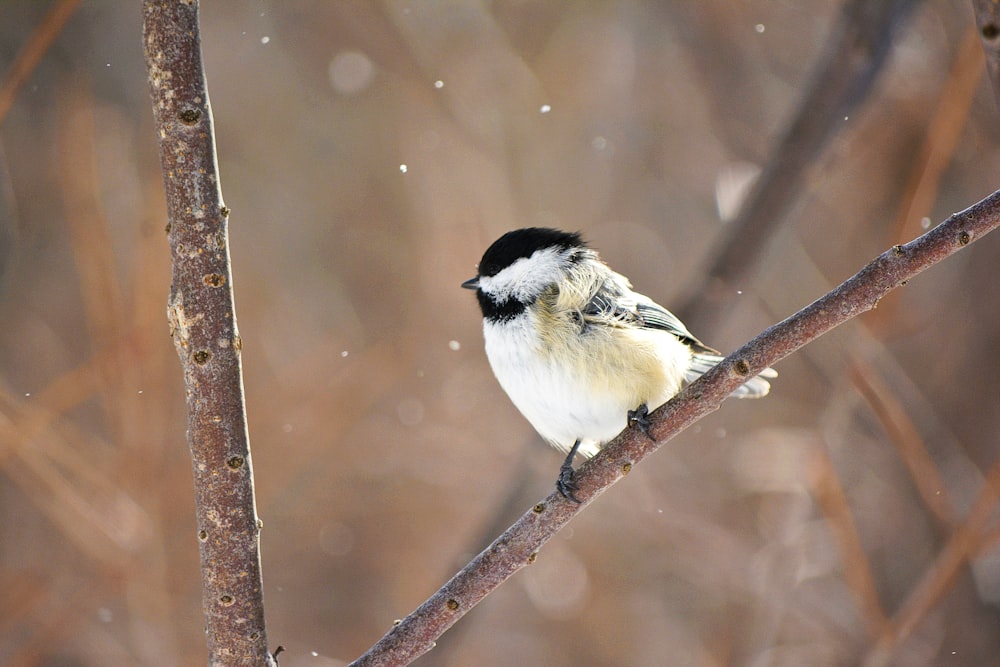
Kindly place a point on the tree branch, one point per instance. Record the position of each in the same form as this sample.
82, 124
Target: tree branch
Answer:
988, 23
852, 58
33, 50
519, 545
203, 327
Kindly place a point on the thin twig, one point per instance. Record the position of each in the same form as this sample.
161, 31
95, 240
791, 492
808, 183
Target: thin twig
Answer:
519, 545
852, 57
938, 578
940, 139
911, 447
858, 575
987, 541
29, 57
988, 22
203, 326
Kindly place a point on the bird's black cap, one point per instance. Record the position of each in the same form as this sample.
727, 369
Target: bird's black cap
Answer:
519, 243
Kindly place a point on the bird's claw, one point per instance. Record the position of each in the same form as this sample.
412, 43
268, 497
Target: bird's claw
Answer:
566, 484
640, 417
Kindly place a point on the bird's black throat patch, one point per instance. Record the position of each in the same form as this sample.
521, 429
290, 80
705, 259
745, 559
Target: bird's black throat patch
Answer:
499, 311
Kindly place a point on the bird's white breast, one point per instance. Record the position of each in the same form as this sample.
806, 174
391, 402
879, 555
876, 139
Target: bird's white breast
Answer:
584, 386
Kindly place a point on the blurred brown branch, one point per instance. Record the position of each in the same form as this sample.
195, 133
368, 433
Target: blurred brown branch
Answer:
943, 133
203, 326
906, 437
832, 498
967, 537
988, 22
936, 152
852, 58
519, 545
29, 57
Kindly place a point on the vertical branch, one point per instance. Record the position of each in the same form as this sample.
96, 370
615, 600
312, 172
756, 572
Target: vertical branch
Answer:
203, 327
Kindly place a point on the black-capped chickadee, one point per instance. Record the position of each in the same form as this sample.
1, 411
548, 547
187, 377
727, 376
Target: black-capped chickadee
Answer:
579, 353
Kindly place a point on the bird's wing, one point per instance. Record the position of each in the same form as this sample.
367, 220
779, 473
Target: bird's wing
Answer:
611, 305
655, 316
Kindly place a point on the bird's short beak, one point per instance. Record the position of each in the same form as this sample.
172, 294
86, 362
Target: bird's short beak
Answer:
471, 283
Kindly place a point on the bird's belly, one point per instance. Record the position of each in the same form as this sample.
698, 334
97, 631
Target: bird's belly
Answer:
586, 390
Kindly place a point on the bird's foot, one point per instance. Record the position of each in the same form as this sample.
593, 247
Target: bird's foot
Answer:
566, 483
640, 417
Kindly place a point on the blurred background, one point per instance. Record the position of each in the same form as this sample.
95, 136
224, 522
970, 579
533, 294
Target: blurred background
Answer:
370, 151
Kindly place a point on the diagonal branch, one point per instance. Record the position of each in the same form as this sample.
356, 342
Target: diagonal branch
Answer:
33, 51
203, 326
832, 499
936, 580
852, 58
519, 545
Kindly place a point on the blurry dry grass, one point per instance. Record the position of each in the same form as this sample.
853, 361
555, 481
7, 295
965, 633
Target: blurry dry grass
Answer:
851, 517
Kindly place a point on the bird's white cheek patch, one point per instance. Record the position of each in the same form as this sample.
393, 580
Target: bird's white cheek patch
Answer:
526, 278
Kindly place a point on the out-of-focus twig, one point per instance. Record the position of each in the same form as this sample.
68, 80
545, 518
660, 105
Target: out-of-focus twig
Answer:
988, 22
852, 57
43, 458
518, 546
93, 247
942, 136
937, 580
29, 57
988, 540
203, 326
857, 570
943, 133
909, 444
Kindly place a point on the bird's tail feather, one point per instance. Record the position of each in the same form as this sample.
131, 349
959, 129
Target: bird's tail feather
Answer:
755, 387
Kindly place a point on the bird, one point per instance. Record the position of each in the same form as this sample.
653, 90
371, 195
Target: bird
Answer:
579, 353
